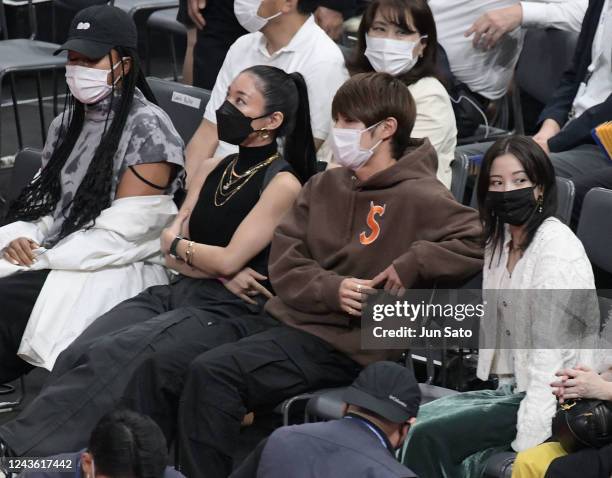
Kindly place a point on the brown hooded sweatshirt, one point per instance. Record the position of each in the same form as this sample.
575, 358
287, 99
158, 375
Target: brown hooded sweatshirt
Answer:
342, 227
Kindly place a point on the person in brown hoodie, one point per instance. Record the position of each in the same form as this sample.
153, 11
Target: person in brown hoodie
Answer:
377, 222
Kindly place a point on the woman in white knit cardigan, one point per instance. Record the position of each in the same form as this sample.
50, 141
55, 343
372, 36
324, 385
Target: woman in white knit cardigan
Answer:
541, 316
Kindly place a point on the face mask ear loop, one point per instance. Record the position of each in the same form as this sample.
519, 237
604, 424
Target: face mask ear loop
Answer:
371, 149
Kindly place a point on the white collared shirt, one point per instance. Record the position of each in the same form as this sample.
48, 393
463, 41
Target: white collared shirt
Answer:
310, 52
488, 72
598, 83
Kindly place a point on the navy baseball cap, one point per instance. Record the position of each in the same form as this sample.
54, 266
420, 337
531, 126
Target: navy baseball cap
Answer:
387, 389
96, 30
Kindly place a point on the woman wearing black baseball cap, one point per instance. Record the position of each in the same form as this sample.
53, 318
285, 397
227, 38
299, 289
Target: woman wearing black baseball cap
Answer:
110, 164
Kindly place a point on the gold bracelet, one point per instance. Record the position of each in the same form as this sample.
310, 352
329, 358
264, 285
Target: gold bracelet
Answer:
189, 253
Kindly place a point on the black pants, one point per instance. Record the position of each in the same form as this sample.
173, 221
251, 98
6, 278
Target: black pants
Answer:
257, 372
90, 376
18, 294
213, 41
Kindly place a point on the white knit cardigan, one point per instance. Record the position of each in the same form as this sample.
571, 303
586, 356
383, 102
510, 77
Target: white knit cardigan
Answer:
555, 259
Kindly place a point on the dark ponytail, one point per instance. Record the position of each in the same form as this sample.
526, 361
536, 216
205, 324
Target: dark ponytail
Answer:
288, 94
299, 143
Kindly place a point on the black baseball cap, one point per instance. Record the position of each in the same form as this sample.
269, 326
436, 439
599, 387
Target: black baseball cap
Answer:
387, 389
96, 30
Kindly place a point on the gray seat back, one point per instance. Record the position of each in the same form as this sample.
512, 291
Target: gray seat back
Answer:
183, 103
595, 227
566, 192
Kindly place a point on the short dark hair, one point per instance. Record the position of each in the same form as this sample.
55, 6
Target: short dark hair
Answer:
373, 97
306, 7
540, 172
126, 444
394, 11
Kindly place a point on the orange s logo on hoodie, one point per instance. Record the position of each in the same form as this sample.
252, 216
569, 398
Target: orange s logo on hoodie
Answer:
366, 239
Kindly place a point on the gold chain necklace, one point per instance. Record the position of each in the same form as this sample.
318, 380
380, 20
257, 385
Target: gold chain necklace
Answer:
227, 188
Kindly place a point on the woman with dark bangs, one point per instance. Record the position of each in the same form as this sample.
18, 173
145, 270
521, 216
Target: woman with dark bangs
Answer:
541, 316
399, 37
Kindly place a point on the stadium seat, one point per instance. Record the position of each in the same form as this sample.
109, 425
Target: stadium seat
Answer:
165, 21
460, 167
546, 54
595, 227
500, 465
27, 164
21, 55
132, 7
183, 103
566, 192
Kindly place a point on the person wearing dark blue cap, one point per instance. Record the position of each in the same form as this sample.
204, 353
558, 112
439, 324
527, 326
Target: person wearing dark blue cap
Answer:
381, 406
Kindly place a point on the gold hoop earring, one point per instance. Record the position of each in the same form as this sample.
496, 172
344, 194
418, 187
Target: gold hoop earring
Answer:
264, 133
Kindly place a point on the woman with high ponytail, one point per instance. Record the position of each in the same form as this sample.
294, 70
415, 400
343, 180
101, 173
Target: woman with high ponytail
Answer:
110, 156
218, 245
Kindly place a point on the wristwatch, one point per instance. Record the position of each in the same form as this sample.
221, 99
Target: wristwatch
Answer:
173, 252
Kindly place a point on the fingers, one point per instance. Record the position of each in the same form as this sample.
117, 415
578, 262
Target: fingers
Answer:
257, 288
256, 274
351, 311
358, 296
379, 279
470, 30
247, 299
20, 250
12, 259
353, 304
494, 38
193, 9
569, 396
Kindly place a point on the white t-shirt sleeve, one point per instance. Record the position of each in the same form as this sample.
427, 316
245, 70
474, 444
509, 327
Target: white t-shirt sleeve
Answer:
561, 14
224, 78
323, 80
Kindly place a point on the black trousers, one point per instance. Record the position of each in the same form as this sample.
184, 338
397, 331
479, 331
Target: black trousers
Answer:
213, 41
257, 372
90, 376
18, 294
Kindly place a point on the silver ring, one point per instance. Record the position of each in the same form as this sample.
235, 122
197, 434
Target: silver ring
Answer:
359, 288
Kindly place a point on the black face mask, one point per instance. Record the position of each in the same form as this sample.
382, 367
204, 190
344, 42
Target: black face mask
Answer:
513, 207
233, 126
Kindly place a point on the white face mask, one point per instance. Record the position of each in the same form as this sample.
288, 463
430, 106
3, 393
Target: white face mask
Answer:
346, 144
89, 85
391, 56
246, 13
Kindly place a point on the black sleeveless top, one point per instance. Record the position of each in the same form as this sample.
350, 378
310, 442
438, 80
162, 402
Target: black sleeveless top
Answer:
215, 225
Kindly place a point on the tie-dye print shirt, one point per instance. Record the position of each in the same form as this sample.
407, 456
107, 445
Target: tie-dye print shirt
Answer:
148, 137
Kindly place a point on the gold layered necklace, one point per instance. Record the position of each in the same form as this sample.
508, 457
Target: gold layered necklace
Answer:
231, 182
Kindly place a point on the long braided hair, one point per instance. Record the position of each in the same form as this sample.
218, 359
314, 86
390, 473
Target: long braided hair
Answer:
41, 196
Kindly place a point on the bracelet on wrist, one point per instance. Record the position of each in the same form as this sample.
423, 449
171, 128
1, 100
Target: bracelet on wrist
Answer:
189, 253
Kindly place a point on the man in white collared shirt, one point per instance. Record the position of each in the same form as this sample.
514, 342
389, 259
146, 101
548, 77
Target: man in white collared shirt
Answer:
483, 40
485, 63
291, 40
